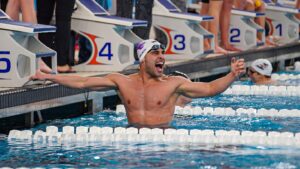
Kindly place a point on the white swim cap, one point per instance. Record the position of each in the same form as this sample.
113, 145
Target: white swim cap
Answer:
262, 66
145, 46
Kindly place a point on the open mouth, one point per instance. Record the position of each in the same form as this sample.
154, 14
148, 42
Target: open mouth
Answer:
159, 66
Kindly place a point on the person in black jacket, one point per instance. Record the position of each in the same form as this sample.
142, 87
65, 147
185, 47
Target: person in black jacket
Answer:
61, 40
143, 11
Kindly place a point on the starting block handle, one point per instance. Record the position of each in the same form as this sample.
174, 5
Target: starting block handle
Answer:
93, 7
90, 10
281, 7
247, 13
3, 15
25, 27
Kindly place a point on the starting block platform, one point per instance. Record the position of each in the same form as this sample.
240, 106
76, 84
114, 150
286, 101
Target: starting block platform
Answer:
21, 51
184, 36
282, 21
111, 38
243, 29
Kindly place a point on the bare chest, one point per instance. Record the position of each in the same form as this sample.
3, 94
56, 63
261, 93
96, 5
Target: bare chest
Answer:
147, 97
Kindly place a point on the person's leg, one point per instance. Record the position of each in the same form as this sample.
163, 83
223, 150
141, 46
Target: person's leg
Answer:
239, 4
28, 11
298, 7
252, 5
3, 4
215, 7
63, 12
261, 21
29, 15
225, 24
249, 5
204, 11
45, 10
13, 9
124, 8
144, 12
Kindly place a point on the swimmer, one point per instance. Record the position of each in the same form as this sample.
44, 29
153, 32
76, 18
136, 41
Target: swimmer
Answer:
260, 72
149, 96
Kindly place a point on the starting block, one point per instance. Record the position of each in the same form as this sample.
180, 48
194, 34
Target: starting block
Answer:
20, 51
282, 21
290, 3
243, 29
183, 32
111, 38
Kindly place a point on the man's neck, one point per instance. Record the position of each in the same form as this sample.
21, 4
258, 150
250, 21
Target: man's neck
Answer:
265, 80
146, 77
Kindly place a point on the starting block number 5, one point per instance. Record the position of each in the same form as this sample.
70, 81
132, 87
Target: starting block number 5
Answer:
5, 64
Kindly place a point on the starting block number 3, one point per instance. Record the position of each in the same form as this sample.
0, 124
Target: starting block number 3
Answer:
180, 39
5, 64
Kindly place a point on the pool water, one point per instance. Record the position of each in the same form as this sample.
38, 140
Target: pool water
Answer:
167, 155
256, 102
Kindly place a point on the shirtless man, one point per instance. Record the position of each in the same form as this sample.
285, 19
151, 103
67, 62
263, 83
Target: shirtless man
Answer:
149, 96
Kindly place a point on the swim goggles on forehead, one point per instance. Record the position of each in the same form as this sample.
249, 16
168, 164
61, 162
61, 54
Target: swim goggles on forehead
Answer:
156, 47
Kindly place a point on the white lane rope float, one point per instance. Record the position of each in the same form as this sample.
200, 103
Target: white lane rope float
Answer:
228, 111
85, 135
263, 90
276, 76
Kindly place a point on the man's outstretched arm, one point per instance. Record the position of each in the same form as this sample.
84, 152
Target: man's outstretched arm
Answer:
199, 89
78, 81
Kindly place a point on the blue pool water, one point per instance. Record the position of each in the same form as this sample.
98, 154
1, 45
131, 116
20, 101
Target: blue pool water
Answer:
134, 155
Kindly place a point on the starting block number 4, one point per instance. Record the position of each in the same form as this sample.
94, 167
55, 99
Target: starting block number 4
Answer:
5, 64
106, 51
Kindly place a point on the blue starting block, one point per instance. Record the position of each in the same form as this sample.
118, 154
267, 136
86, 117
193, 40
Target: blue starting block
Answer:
111, 37
20, 51
243, 29
282, 21
184, 34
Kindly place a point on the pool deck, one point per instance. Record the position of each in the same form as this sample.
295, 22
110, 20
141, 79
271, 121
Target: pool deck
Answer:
33, 98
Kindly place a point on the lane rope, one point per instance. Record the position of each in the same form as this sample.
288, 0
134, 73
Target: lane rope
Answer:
228, 111
85, 135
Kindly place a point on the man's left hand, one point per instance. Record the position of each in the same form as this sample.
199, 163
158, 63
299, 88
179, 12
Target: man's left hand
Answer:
238, 66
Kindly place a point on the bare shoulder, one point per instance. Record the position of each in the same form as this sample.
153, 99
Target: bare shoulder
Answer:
116, 76
121, 78
176, 79
180, 78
